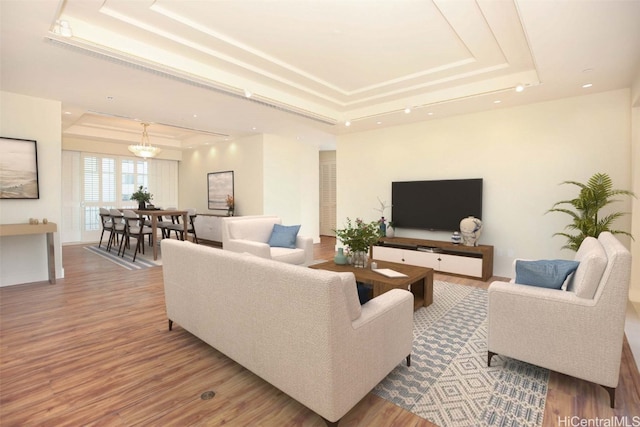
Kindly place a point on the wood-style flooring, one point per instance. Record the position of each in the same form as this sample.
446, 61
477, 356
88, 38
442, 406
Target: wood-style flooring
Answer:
94, 349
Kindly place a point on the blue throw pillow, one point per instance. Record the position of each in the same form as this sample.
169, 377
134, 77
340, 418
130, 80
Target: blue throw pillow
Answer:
283, 236
544, 273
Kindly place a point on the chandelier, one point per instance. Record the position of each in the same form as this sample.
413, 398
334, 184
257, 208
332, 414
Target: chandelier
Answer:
144, 149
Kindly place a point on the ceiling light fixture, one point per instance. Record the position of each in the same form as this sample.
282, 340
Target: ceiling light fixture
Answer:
248, 93
347, 123
407, 110
144, 149
587, 85
519, 88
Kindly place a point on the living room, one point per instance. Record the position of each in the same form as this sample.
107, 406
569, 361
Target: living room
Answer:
522, 152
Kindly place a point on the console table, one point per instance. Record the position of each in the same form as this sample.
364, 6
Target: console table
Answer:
446, 257
27, 229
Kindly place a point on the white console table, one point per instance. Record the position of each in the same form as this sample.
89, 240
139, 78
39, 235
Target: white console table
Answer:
27, 229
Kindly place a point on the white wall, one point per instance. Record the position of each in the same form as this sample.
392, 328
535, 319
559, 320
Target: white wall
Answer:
291, 183
521, 153
273, 175
634, 293
243, 156
23, 259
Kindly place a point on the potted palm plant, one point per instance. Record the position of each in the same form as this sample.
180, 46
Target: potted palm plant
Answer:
142, 196
597, 193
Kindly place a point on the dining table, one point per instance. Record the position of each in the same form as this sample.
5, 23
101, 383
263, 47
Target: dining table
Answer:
154, 214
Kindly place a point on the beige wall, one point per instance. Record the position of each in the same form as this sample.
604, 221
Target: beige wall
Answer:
522, 154
23, 258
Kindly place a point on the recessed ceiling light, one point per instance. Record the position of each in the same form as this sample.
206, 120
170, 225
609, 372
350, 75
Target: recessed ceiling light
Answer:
248, 93
497, 101
347, 123
67, 113
195, 116
430, 113
378, 123
587, 85
407, 110
519, 88
254, 128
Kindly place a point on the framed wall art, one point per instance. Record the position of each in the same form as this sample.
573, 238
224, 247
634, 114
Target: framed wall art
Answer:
18, 169
220, 187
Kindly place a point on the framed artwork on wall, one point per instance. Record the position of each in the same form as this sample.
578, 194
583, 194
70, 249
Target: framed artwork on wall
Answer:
18, 169
220, 188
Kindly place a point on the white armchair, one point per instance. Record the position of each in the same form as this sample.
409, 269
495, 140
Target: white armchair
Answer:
578, 332
251, 234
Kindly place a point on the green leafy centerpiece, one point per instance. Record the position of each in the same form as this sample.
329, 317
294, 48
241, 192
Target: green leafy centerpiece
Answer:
359, 237
142, 196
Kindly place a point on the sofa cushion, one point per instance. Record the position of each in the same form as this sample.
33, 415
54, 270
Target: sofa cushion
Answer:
544, 273
284, 236
593, 261
290, 256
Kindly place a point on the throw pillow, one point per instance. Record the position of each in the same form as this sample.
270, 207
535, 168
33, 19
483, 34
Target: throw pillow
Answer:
284, 236
544, 273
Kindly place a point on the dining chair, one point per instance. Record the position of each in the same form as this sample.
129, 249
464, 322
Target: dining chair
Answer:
134, 227
117, 228
105, 221
164, 223
178, 227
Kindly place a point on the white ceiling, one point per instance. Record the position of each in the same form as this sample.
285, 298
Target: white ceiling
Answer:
187, 66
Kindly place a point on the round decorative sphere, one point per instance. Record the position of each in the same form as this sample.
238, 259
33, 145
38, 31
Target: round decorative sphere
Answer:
470, 228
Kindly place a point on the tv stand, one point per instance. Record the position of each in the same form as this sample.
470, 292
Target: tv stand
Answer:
445, 257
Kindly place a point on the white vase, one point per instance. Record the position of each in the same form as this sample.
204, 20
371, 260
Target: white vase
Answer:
470, 228
390, 231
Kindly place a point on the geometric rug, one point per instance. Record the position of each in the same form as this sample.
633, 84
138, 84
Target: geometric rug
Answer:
142, 261
449, 383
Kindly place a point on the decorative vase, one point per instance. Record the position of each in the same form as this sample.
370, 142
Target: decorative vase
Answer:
230, 212
470, 228
390, 231
360, 259
141, 205
456, 238
340, 257
383, 227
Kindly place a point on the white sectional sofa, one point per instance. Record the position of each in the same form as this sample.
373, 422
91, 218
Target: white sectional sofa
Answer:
251, 234
302, 330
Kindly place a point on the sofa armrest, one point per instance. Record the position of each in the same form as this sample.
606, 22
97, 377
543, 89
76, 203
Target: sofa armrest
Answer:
381, 305
249, 246
305, 243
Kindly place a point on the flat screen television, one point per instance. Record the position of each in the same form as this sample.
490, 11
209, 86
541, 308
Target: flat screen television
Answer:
435, 205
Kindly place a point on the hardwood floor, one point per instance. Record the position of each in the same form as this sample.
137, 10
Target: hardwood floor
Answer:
94, 349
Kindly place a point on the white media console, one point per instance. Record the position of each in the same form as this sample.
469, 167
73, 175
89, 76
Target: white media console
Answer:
445, 257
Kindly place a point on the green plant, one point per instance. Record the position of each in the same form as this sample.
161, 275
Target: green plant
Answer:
593, 196
141, 195
361, 236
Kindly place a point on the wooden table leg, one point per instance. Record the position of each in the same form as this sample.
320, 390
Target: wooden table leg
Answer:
154, 230
186, 226
51, 258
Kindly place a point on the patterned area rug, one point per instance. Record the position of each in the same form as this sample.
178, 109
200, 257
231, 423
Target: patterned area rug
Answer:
142, 261
449, 382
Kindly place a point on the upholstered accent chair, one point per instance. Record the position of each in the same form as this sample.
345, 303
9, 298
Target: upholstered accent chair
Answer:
253, 234
578, 331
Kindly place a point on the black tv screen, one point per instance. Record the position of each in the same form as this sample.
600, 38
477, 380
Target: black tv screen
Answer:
435, 205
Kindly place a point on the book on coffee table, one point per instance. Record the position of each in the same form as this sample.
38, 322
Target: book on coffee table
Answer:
389, 272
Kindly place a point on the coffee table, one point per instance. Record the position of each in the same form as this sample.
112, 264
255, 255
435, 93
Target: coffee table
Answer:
419, 280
